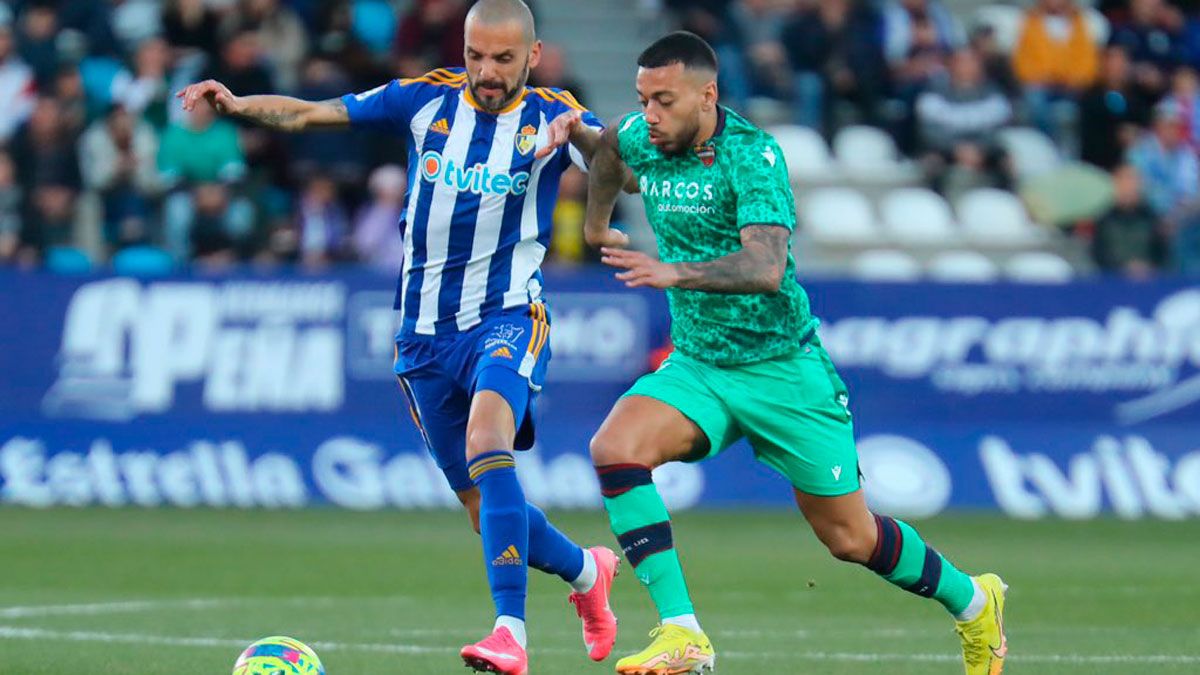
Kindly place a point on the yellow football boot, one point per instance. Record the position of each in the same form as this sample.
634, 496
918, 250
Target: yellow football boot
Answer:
675, 651
984, 644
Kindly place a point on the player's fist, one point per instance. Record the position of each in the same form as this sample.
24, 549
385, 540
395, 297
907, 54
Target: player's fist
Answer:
558, 133
216, 94
606, 238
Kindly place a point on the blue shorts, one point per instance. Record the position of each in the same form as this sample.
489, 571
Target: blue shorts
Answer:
506, 353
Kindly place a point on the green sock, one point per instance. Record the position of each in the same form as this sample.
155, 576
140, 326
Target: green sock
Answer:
905, 560
643, 527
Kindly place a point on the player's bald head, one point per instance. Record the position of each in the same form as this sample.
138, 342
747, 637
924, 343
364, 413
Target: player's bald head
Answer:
496, 12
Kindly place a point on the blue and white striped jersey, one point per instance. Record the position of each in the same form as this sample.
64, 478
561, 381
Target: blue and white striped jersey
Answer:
478, 216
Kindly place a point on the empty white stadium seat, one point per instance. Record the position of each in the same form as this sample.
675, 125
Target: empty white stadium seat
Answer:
991, 216
1039, 267
1032, 152
885, 265
839, 216
963, 266
1005, 21
805, 152
867, 152
918, 216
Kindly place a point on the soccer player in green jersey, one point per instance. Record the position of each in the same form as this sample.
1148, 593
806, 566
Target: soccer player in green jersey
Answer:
747, 362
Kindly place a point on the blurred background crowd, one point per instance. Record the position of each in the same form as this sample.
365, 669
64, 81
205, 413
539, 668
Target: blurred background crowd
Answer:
949, 138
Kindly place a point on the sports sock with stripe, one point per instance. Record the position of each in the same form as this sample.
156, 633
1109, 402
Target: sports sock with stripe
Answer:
904, 559
640, 520
504, 527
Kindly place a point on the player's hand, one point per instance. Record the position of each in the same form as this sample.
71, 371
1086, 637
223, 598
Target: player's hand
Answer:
558, 133
610, 238
640, 269
218, 96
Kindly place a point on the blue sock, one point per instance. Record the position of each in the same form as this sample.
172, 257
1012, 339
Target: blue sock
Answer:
504, 526
549, 550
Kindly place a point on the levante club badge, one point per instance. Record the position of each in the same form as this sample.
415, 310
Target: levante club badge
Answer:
707, 153
526, 139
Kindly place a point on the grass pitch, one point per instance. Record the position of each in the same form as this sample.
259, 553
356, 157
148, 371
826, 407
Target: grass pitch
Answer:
167, 592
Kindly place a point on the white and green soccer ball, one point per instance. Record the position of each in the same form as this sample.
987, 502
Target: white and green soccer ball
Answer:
278, 655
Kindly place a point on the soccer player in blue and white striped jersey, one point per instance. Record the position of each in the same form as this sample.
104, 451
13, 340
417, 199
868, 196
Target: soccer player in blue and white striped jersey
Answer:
484, 160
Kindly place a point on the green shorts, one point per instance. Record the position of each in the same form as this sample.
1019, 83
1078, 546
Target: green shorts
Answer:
793, 409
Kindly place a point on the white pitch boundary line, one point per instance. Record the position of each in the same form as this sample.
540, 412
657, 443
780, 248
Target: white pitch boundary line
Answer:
22, 633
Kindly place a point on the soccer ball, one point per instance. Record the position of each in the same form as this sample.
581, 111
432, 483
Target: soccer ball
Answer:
278, 655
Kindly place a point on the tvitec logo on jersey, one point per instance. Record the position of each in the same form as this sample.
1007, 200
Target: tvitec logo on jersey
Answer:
237, 346
478, 179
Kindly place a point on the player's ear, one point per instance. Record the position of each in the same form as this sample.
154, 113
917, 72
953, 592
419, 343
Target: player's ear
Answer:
710, 95
535, 54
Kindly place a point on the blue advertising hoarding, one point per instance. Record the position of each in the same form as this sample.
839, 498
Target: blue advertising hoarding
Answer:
275, 390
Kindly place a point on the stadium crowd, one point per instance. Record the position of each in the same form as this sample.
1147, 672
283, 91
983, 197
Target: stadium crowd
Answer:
96, 159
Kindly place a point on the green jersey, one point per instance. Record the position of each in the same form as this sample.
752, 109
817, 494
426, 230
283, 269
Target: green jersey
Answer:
697, 203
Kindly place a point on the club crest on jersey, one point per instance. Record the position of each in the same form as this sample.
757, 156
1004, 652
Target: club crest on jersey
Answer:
526, 139
441, 126
707, 154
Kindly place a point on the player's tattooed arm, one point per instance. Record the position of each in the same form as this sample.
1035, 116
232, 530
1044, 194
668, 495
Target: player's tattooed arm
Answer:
757, 268
607, 173
281, 113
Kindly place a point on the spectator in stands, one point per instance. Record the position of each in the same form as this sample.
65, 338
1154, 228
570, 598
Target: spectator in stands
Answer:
1169, 169
203, 149
1056, 60
38, 30
430, 35
714, 20
1154, 38
1185, 94
214, 228
377, 239
338, 155
1112, 113
10, 208
566, 239
281, 34
17, 86
322, 223
997, 65
958, 122
834, 56
44, 152
912, 28
766, 60
1129, 238
242, 67
72, 99
51, 218
146, 93
552, 71
191, 27
117, 158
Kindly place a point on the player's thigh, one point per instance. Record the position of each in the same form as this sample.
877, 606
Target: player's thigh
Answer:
440, 408
671, 414
794, 410
504, 364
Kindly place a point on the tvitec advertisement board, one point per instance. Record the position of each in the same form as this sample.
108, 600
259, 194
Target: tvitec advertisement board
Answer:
276, 391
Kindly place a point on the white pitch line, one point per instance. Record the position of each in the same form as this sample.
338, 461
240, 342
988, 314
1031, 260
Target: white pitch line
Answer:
111, 607
22, 633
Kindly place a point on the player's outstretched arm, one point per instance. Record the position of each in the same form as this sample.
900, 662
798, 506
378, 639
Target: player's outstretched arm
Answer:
606, 175
281, 113
758, 267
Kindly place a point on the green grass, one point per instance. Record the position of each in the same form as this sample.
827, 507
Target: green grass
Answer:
102, 592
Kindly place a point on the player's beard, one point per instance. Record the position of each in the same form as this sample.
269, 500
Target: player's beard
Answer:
510, 95
687, 137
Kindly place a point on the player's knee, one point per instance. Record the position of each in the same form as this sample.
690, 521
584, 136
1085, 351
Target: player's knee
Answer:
846, 544
613, 448
485, 439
